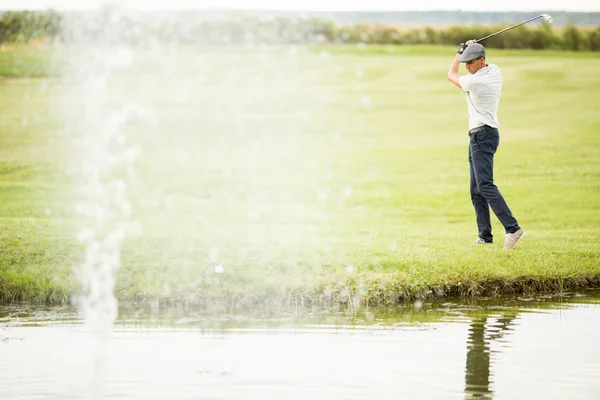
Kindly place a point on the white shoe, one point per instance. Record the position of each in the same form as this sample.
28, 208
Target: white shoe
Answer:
511, 239
481, 241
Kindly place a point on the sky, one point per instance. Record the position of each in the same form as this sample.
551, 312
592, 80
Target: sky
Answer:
318, 5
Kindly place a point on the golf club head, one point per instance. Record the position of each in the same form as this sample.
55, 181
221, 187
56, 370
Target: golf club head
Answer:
547, 18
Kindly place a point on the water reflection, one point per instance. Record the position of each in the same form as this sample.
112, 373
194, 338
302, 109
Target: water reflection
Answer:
481, 335
474, 350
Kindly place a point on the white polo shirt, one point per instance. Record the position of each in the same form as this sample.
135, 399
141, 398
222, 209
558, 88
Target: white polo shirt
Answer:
483, 89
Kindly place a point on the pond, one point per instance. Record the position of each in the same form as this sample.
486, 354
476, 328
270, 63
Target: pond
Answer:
509, 348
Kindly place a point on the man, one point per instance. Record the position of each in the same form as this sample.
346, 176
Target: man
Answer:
482, 87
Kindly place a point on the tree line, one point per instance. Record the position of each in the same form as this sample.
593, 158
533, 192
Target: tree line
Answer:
28, 26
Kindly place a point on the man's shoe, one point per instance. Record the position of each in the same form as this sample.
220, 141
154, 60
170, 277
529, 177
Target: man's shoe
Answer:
511, 239
481, 241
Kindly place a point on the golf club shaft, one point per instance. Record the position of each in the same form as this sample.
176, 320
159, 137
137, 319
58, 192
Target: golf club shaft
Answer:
509, 28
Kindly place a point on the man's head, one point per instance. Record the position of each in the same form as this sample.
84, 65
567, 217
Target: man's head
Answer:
473, 57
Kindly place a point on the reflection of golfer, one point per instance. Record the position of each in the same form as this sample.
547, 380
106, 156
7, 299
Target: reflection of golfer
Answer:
477, 371
482, 87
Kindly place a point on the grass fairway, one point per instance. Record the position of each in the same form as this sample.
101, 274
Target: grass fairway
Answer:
338, 173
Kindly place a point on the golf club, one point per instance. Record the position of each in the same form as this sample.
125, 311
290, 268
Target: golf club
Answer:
546, 17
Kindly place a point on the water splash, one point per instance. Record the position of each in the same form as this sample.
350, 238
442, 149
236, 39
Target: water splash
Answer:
103, 163
107, 170
232, 159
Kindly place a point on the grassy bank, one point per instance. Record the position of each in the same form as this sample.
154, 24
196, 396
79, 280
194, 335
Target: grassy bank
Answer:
335, 174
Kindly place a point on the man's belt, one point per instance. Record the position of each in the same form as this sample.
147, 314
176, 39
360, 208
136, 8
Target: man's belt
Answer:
478, 129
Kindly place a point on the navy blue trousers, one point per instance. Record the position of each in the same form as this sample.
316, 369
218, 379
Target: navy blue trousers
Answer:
484, 193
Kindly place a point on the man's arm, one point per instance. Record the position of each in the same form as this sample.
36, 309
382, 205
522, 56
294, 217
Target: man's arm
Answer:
453, 75
453, 72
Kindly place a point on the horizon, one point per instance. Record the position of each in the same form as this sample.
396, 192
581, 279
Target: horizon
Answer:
585, 6
311, 10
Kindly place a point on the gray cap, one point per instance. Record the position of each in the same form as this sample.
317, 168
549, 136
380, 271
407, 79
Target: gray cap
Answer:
472, 52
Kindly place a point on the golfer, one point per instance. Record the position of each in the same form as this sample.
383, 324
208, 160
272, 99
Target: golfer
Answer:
482, 87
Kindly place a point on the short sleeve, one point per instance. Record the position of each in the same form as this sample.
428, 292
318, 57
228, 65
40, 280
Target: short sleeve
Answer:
467, 82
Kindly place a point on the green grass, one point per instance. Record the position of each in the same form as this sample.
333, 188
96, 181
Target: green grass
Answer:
326, 175
29, 62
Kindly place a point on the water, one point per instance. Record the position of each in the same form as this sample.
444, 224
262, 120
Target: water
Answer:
511, 348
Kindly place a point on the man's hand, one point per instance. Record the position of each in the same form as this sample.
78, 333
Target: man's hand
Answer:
463, 46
